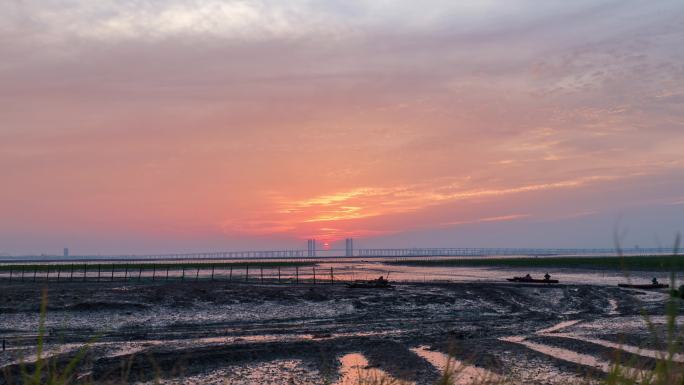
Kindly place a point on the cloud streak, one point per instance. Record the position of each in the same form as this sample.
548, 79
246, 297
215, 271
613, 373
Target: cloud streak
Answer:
346, 208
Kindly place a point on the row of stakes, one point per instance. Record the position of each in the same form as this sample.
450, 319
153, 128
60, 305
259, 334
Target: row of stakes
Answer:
22, 277
154, 276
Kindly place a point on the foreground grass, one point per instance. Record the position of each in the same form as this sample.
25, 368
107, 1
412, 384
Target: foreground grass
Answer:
636, 263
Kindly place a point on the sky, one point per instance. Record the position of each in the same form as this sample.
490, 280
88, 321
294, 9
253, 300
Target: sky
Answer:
145, 126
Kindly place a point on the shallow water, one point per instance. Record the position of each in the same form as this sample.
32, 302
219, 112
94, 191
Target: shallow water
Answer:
347, 269
354, 370
586, 359
677, 357
560, 353
463, 374
559, 326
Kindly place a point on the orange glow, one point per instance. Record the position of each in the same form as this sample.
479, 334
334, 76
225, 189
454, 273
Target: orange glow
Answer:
346, 212
172, 127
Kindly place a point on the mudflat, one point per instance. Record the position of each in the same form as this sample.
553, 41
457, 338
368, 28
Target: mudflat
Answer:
233, 333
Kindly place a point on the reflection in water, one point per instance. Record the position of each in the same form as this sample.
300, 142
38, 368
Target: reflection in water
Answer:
613, 307
579, 358
342, 269
677, 357
463, 374
354, 370
560, 353
555, 328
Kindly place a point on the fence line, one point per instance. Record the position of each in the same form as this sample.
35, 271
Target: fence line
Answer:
105, 273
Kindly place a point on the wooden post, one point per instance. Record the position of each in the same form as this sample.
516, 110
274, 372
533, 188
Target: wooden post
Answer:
262, 275
332, 276
47, 274
183, 276
10, 273
140, 272
230, 277
297, 274
85, 272
314, 274
59, 272
246, 273
212, 271
197, 275
99, 269
126, 273
278, 274
154, 272
35, 268
112, 279
167, 272
22, 273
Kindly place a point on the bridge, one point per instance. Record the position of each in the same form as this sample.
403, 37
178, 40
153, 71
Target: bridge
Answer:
314, 253
486, 252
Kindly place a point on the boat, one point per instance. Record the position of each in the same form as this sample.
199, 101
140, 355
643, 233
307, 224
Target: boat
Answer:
369, 285
531, 280
646, 286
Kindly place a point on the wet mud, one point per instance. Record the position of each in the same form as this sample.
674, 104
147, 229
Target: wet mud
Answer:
230, 333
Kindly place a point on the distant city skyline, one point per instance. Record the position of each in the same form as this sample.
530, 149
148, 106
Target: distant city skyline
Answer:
176, 126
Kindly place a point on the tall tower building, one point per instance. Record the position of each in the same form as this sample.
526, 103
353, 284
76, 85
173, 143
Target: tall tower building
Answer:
311, 248
349, 247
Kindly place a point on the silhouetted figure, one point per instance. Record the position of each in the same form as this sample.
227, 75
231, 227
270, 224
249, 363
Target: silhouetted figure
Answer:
528, 276
547, 276
382, 280
654, 281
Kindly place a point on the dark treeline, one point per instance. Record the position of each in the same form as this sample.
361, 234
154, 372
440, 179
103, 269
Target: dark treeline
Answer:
656, 262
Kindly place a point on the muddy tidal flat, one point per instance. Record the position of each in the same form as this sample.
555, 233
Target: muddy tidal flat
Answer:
232, 333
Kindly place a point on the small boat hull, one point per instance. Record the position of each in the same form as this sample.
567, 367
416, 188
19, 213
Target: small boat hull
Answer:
648, 286
531, 280
369, 285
